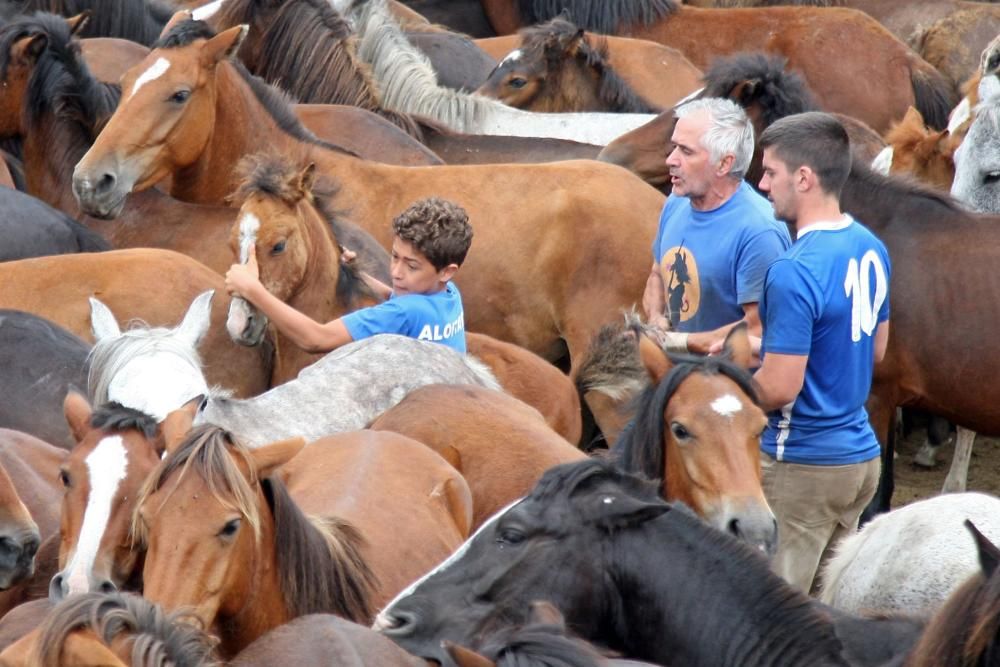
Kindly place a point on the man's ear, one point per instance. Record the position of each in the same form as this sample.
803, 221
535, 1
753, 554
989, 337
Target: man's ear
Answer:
805, 178
726, 164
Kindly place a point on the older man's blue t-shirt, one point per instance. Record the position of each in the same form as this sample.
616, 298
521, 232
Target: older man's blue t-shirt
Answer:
713, 262
436, 317
825, 298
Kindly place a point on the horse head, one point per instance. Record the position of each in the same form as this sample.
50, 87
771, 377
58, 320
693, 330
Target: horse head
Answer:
977, 167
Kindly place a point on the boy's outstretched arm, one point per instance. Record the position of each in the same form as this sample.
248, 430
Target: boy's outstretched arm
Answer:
382, 290
242, 280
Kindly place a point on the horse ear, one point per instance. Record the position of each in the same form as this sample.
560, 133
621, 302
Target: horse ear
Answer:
224, 45
28, 49
79, 22
265, 459
989, 554
914, 118
465, 657
544, 612
102, 321
737, 345
176, 425
615, 510
306, 179
654, 359
196, 320
744, 91
77, 411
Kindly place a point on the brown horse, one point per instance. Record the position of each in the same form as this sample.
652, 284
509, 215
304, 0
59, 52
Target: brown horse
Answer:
556, 67
922, 152
811, 38
116, 450
264, 562
156, 286
499, 444
308, 274
539, 300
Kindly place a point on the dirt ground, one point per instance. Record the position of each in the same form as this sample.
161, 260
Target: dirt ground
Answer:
914, 483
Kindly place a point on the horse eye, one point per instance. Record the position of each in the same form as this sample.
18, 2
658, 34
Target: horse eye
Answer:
181, 96
991, 177
278, 248
230, 528
517, 82
508, 536
64, 478
679, 431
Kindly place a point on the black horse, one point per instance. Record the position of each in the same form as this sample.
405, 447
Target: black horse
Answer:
637, 575
31, 228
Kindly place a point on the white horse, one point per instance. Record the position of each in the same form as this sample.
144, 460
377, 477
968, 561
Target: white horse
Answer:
409, 84
909, 560
158, 370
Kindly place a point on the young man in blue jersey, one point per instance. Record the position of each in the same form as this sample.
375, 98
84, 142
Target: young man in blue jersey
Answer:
717, 236
825, 314
431, 239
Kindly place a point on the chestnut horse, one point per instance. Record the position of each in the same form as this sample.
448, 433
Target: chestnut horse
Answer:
268, 562
595, 235
557, 67
284, 205
811, 38
156, 286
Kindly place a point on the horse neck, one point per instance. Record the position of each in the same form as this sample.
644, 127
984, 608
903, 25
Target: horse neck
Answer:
49, 178
741, 622
574, 88
241, 127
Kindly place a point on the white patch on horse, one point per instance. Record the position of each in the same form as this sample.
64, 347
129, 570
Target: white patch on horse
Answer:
155, 71
382, 621
512, 57
959, 115
882, 164
106, 467
727, 405
249, 226
206, 10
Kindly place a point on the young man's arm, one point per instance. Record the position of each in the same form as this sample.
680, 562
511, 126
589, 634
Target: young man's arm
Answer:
881, 340
380, 289
707, 342
242, 280
779, 379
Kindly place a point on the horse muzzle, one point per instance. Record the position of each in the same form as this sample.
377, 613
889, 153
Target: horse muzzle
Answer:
245, 324
101, 194
17, 557
751, 522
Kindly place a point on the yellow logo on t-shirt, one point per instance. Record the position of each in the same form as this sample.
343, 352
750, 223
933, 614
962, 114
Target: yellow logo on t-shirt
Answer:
682, 291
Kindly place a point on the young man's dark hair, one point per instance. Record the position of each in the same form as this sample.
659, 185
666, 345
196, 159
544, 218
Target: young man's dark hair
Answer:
816, 140
438, 228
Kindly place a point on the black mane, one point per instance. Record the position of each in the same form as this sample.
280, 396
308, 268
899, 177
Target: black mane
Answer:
778, 91
136, 20
639, 450
184, 33
603, 16
114, 416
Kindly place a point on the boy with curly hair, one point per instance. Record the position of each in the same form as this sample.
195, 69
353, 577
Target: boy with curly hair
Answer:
430, 241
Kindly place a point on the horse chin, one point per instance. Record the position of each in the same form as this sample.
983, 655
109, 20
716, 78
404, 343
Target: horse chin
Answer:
105, 209
750, 522
245, 324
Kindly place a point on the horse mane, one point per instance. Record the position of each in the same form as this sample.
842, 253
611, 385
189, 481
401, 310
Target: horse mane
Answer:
61, 87
911, 135
136, 20
905, 193
110, 355
612, 366
158, 638
320, 564
539, 645
613, 90
965, 630
116, 417
405, 75
778, 91
640, 447
311, 51
607, 17
273, 175
564, 480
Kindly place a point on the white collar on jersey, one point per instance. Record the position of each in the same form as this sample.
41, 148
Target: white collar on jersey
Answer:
827, 226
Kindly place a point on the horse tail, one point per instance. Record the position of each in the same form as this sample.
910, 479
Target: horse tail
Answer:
845, 553
934, 95
612, 366
482, 373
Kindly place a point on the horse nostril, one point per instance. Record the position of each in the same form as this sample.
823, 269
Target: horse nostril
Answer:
108, 587
57, 589
733, 527
30, 547
402, 623
106, 183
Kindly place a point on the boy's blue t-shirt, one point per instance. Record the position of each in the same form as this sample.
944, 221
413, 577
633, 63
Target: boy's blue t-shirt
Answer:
825, 298
713, 262
436, 317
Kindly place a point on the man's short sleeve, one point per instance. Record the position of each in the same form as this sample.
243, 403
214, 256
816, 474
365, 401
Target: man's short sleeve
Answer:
791, 309
386, 317
883, 311
752, 263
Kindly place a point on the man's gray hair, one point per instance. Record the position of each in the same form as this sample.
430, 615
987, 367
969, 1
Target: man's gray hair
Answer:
729, 132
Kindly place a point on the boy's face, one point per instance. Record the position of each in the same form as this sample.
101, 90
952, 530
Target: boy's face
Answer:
412, 272
778, 183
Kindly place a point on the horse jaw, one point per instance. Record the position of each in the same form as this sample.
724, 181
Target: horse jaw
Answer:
246, 325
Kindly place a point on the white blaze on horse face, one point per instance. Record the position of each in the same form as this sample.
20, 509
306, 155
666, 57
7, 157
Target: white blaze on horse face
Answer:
106, 466
383, 622
155, 71
512, 57
249, 226
727, 405
882, 164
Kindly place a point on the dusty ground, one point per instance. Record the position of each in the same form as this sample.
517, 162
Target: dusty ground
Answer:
914, 483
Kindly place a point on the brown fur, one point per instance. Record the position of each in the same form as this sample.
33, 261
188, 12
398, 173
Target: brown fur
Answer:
954, 43
923, 153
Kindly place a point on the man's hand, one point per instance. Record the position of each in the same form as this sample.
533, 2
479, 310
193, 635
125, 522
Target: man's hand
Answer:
241, 279
347, 256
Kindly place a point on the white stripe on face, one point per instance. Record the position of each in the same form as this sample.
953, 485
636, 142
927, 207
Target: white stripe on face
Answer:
512, 57
727, 405
106, 467
249, 226
155, 71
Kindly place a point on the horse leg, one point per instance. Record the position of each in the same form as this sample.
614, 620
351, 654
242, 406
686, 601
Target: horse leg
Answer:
959, 472
938, 430
882, 415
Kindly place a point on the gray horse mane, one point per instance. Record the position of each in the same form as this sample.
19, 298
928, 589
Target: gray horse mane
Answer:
405, 75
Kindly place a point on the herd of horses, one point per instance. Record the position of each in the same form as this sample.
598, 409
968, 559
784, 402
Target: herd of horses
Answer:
181, 485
